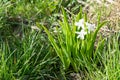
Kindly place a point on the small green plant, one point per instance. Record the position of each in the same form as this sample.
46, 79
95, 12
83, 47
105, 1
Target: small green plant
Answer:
70, 49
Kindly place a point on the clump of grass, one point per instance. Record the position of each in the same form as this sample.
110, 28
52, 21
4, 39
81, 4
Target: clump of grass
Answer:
28, 58
110, 57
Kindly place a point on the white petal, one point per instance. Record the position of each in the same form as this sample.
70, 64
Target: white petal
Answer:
81, 20
80, 24
91, 27
81, 34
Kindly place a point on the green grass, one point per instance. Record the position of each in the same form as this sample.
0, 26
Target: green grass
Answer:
42, 54
26, 59
110, 67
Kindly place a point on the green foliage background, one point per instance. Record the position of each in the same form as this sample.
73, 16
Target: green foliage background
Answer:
27, 53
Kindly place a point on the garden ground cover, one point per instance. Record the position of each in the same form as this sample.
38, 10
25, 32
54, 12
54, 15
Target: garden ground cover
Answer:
59, 40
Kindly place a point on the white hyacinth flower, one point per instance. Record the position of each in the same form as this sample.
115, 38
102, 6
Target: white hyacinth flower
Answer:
91, 27
80, 24
81, 34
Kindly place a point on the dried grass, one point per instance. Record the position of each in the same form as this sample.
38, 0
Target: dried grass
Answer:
110, 11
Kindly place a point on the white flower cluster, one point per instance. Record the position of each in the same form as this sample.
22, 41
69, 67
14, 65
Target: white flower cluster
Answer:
81, 25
